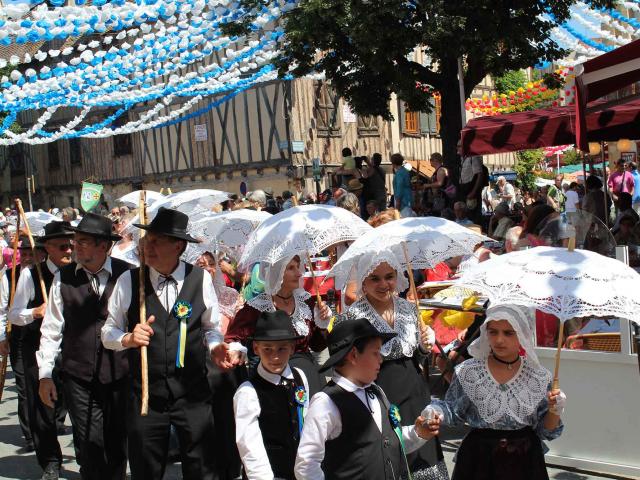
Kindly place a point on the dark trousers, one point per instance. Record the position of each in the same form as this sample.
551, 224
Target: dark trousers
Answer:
149, 438
99, 419
42, 419
17, 365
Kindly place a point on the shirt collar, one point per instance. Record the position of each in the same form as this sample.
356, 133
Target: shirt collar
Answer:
51, 266
177, 274
106, 266
274, 377
347, 384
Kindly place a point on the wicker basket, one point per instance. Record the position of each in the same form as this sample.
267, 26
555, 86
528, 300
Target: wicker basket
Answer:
603, 342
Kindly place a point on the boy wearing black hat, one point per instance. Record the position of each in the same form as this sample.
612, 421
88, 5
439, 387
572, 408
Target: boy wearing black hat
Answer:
269, 408
27, 312
351, 431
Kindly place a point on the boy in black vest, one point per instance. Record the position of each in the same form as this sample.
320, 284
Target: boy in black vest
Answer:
27, 311
94, 379
351, 431
269, 408
182, 328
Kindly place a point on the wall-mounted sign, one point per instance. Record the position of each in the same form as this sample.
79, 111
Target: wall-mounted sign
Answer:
200, 132
347, 114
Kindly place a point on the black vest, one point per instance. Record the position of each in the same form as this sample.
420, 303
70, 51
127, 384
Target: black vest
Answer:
361, 451
16, 330
83, 355
279, 409
166, 382
31, 332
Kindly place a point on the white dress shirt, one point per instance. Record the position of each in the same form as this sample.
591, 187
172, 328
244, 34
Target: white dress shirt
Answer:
19, 314
53, 322
4, 303
246, 408
115, 328
323, 423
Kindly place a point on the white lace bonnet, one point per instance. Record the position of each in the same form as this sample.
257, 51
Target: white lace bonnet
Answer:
368, 263
272, 275
521, 319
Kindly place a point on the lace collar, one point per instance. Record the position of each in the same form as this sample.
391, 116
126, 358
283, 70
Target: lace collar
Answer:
301, 314
517, 399
405, 325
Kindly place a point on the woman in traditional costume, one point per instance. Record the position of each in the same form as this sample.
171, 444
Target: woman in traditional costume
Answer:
379, 278
505, 395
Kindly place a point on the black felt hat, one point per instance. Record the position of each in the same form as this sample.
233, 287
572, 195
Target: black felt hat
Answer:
171, 223
345, 334
96, 226
26, 245
56, 229
275, 326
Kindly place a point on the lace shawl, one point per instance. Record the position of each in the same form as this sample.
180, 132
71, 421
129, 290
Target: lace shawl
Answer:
518, 399
405, 325
301, 314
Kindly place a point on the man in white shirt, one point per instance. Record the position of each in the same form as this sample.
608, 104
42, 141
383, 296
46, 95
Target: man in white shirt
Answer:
506, 192
182, 328
350, 430
27, 311
95, 380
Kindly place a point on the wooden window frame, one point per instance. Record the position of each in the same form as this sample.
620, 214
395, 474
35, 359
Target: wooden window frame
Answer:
53, 153
368, 126
326, 110
411, 123
75, 151
122, 143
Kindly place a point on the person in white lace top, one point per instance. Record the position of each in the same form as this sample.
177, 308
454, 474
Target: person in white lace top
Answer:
505, 396
380, 278
283, 291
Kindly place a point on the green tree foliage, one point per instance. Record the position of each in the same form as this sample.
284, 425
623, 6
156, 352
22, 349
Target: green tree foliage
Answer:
15, 128
571, 157
367, 48
526, 162
511, 81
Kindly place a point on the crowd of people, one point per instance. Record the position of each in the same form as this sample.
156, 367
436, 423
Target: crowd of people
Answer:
249, 375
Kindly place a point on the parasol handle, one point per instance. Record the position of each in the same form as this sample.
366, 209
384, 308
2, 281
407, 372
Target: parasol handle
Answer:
22, 215
556, 380
315, 281
571, 246
144, 366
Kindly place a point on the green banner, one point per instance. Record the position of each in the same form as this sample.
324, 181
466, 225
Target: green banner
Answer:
90, 196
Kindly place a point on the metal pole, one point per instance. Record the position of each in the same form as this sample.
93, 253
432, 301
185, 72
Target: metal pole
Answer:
605, 186
463, 112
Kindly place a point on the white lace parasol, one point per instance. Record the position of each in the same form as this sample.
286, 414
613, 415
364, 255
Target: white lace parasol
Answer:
300, 230
132, 199
37, 221
567, 284
428, 240
231, 228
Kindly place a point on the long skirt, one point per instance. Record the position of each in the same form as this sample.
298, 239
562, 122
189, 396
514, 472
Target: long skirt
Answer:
501, 455
405, 387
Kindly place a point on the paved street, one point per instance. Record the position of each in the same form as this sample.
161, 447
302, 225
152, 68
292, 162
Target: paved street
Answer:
17, 465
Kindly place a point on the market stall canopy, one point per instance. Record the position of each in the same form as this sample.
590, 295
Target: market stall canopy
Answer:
547, 127
601, 76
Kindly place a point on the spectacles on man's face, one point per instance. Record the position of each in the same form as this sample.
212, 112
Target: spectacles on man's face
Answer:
63, 247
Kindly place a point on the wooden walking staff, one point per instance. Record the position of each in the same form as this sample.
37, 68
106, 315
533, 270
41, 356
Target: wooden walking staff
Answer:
32, 243
5, 359
556, 371
144, 374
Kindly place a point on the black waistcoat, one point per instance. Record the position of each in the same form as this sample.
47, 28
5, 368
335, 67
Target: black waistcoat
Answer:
166, 381
361, 451
17, 331
279, 410
31, 332
83, 355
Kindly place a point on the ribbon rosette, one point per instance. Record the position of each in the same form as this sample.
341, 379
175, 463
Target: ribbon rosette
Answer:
394, 416
300, 396
182, 311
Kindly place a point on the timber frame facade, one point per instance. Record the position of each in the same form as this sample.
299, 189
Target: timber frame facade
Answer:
265, 137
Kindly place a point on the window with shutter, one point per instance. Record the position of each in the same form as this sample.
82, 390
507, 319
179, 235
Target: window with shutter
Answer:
122, 143
368, 126
326, 110
54, 155
75, 151
16, 158
411, 122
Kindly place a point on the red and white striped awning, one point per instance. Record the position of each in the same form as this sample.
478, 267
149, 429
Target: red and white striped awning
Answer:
603, 75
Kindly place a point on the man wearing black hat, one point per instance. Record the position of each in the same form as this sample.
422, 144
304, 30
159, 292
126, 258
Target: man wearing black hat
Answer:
182, 328
351, 430
95, 380
26, 313
13, 347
